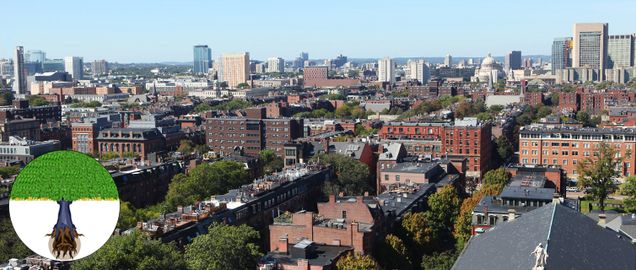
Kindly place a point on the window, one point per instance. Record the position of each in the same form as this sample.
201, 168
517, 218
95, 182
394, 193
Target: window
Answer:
386, 177
554, 161
565, 162
344, 214
397, 178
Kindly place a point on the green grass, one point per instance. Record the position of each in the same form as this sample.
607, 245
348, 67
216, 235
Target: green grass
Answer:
608, 206
64, 174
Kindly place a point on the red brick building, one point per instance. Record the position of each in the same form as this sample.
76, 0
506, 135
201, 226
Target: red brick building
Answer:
343, 222
533, 98
569, 101
85, 133
466, 139
130, 140
566, 147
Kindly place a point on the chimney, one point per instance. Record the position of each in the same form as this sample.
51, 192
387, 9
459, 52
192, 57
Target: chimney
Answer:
601, 219
366, 194
556, 198
340, 194
512, 214
282, 244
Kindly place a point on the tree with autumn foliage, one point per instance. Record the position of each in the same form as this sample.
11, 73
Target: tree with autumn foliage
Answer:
356, 262
598, 174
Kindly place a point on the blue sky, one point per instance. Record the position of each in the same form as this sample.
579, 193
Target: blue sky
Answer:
161, 30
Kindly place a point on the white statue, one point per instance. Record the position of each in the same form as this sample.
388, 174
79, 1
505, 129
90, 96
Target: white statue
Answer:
541, 255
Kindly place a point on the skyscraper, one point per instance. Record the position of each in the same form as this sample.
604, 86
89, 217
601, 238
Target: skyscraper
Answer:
304, 56
202, 59
339, 61
99, 67
448, 60
418, 70
619, 51
512, 61
19, 72
561, 54
37, 56
75, 66
236, 68
275, 64
385, 70
590, 46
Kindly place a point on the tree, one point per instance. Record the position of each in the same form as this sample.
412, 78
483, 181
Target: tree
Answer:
133, 251
35, 100
270, 162
205, 180
352, 176
10, 244
393, 253
185, 146
421, 232
242, 86
202, 107
498, 177
439, 261
629, 189
126, 216
504, 148
444, 206
6, 98
598, 174
224, 247
356, 262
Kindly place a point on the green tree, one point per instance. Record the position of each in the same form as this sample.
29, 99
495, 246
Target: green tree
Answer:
6, 98
202, 107
356, 262
504, 148
394, 254
598, 174
133, 251
439, 261
242, 86
185, 146
352, 176
224, 247
127, 217
36, 100
498, 177
270, 162
629, 189
10, 244
422, 234
205, 180
444, 206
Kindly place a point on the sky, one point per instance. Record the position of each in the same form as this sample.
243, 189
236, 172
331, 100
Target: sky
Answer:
161, 30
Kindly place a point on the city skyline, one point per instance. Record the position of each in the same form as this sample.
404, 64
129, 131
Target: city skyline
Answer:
167, 32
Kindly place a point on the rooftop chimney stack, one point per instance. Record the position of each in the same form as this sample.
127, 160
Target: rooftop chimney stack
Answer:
556, 198
512, 214
601, 219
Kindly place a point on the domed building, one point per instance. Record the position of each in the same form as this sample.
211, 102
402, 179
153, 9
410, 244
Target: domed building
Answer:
489, 71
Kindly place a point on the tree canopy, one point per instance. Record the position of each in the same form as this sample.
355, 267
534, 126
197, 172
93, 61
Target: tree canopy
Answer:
270, 162
133, 251
224, 247
352, 176
598, 173
629, 189
356, 262
10, 244
205, 180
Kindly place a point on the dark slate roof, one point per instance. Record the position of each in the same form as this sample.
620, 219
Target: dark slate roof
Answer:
531, 193
573, 242
412, 167
323, 255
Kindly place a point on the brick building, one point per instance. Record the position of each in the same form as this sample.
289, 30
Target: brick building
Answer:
467, 138
141, 141
343, 222
565, 147
569, 101
85, 133
252, 133
533, 98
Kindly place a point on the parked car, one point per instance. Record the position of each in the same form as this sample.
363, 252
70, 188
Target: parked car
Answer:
572, 189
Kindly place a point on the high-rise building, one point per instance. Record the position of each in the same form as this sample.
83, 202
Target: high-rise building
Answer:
619, 51
304, 56
236, 68
339, 61
6, 68
512, 61
448, 60
99, 67
561, 54
19, 72
275, 64
385, 70
418, 70
202, 59
75, 66
36, 56
590, 46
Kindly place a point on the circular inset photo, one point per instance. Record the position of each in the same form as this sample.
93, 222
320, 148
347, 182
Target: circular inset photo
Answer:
64, 205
